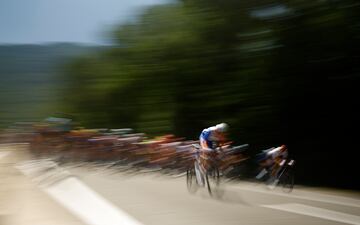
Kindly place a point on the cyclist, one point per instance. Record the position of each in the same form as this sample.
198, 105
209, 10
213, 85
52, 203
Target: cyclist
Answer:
212, 137
272, 160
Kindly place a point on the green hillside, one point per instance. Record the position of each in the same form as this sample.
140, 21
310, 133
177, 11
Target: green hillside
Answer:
32, 81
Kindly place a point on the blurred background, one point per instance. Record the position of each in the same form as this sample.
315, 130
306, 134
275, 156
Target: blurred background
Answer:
278, 72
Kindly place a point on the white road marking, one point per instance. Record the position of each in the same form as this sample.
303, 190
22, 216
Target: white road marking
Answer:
87, 204
317, 212
74, 195
305, 195
34, 167
13, 144
3, 154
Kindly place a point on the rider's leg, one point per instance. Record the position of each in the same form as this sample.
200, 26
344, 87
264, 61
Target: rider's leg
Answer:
266, 165
262, 173
277, 167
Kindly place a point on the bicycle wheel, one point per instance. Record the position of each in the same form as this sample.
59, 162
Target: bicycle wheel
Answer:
287, 180
213, 182
199, 174
191, 182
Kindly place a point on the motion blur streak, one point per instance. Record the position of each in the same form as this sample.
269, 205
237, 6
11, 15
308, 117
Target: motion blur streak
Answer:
317, 212
87, 204
125, 118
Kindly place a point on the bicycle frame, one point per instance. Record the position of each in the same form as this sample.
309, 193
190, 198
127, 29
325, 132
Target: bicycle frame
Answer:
287, 181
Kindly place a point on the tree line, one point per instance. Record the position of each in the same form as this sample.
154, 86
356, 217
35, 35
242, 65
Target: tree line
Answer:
278, 72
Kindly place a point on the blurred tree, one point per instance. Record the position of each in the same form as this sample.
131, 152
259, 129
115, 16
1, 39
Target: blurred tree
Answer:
277, 71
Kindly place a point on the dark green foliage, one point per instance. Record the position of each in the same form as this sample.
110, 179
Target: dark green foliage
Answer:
277, 72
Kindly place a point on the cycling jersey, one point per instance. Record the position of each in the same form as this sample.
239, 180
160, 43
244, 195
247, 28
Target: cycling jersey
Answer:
270, 155
276, 152
209, 138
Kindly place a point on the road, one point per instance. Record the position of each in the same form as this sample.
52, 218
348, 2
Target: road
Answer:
42, 192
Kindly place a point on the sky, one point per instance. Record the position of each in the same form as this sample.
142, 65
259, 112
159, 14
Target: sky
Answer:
81, 21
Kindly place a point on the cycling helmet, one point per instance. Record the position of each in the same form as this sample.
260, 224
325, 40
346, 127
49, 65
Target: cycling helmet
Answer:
222, 127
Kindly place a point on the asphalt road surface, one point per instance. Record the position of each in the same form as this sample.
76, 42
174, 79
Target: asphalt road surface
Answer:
39, 191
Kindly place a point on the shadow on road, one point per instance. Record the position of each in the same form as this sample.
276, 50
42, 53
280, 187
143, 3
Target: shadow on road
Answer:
225, 196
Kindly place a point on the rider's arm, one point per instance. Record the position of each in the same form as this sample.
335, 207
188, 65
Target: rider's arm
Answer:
204, 145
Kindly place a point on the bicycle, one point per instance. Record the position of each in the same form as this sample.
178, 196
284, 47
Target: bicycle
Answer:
203, 171
285, 177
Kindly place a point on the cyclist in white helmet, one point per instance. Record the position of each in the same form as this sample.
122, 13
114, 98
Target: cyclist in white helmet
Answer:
212, 137
211, 142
